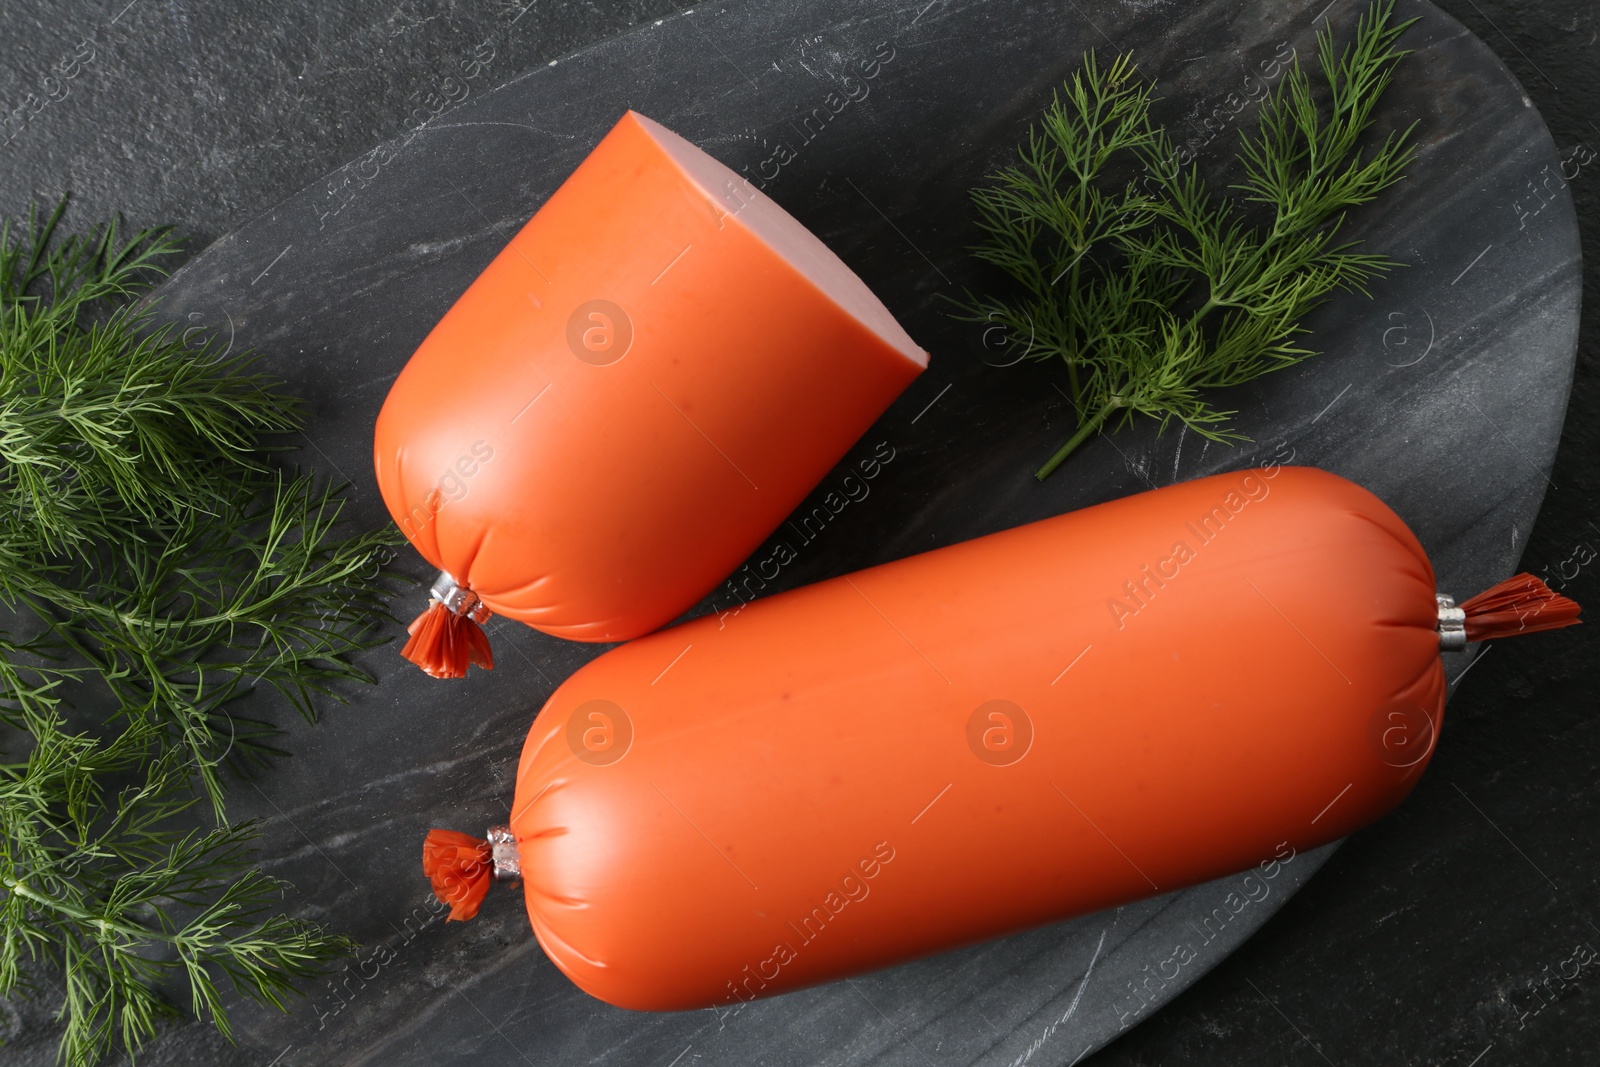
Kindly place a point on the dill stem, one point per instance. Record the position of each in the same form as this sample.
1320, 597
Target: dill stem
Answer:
1072, 308
132, 620
1087, 427
19, 888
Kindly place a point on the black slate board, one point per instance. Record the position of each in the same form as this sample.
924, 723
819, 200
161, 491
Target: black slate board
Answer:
1445, 396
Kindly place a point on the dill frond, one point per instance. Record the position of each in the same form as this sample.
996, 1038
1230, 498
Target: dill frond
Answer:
1154, 290
166, 567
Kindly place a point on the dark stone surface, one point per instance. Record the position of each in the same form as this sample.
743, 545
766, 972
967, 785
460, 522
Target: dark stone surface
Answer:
1445, 915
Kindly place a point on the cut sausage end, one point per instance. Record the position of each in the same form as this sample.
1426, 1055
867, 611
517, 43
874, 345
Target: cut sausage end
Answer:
761, 215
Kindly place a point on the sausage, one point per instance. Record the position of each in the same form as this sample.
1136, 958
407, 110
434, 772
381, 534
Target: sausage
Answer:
654, 372
1032, 725
1003, 733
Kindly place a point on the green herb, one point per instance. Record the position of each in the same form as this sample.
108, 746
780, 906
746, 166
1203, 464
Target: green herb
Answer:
158, 567
1147, 285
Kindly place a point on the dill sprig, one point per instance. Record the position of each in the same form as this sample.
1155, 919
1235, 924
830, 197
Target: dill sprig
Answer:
115, 898
163, 567
1151, 288
104, 426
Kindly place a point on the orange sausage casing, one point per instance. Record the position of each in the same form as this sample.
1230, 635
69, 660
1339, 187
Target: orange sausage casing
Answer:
1014, 730
653, 373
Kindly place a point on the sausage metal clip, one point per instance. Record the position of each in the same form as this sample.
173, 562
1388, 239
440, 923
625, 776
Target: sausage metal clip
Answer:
1452, 625
458, 598
503, 847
